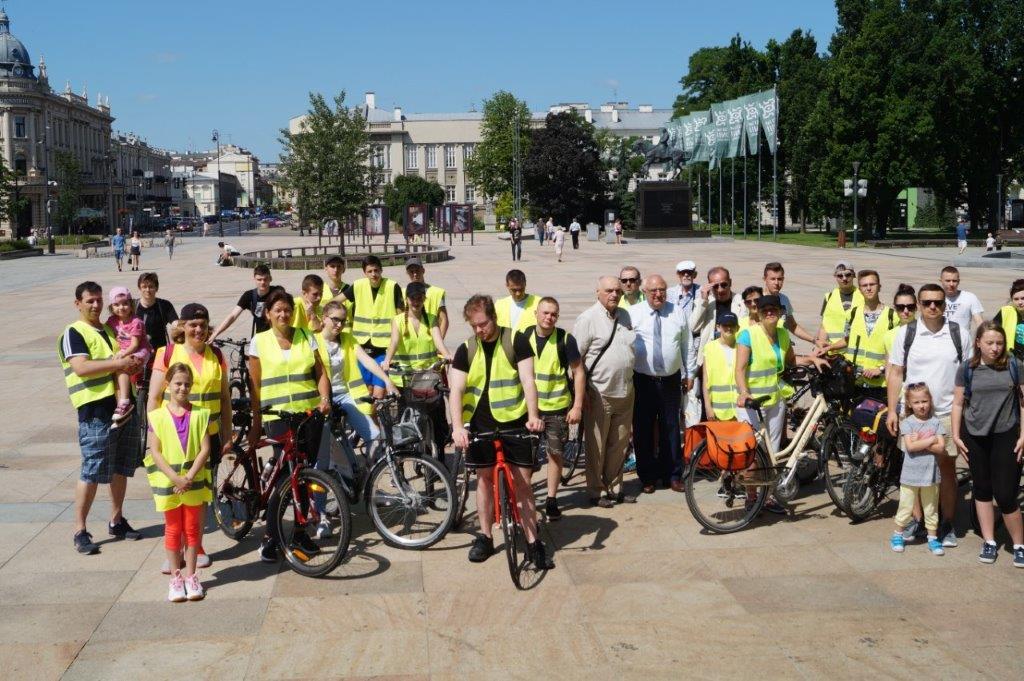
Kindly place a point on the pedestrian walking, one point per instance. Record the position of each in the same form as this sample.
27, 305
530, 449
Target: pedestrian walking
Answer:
618, 231
990, 243
574, 232
169, 244
540, 231
961, 234
136, 251
117, 243
515, 234
559, 240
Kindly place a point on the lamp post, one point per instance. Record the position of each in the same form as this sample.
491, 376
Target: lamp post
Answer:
217, 203
856, 170
999, 201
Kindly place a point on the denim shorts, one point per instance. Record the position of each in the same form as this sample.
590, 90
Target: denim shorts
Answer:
107, 452
369, 379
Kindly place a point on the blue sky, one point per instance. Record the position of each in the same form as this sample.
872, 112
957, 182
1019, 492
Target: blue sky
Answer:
176, 70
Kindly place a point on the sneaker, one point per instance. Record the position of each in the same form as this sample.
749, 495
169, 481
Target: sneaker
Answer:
623, 498
551, 509
304, 543
539, 556
121, 413
630, 465
324, 529
897, 542
1018, 556
122, 530
268, 552
203, 561
740, 493
935, 546
949, 540
166, 567
482, 549
193, 589
989, 553
83, 543
912, 529
176, 591
773, 506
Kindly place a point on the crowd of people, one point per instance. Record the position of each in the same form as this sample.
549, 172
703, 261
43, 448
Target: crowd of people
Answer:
642, 363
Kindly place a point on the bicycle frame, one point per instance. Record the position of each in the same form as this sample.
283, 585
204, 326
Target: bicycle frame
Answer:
502, 465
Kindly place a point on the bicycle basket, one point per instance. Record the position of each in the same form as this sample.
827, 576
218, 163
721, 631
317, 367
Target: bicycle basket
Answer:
869, 414
731, 445
405, 433
421, 387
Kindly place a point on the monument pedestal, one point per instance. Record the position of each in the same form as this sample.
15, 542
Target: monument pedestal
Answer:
664, 210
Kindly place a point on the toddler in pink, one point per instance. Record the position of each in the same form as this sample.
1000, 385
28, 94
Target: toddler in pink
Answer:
131, 340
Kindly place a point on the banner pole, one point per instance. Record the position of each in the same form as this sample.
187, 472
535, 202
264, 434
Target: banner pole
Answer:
720, 220
732, 200
758, 216
775, 193
709, 194
699, 200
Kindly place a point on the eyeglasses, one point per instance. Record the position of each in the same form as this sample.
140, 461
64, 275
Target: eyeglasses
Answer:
687, 273
750, 302
656, 290
336, 320
844, 275
721, 286
906, 307
629, 280
933, 302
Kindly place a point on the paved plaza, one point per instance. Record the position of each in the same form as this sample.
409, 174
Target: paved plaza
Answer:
639, 591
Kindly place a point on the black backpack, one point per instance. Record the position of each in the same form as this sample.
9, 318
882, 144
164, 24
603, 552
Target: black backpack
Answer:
954, 334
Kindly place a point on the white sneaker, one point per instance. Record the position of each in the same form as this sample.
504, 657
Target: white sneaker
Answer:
203, 561
176, 591
950, 540
324, 529
193, 588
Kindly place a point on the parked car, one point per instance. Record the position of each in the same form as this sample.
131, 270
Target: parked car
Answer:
211, 219
186, 224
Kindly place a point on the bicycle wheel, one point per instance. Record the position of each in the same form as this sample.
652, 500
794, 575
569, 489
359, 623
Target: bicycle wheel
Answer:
312, 528
515, 538
141, 400
573, 454
859, 493
410, 500
460, 476
717, 498
235, 494
839, 445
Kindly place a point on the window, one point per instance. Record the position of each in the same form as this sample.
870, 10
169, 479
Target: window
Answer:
467, 151
470, 194
411, 157
449, 156
20, 166
381, 156
449, 190
19, 127
431, 157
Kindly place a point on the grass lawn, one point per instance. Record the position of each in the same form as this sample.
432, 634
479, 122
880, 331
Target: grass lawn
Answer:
823, 239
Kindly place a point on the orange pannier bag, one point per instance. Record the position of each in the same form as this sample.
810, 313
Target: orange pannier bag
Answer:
731, 445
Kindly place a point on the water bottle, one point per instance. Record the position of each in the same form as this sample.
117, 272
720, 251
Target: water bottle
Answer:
268, 469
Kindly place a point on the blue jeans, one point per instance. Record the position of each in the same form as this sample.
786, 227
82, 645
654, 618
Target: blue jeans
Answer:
362, 424
657, 402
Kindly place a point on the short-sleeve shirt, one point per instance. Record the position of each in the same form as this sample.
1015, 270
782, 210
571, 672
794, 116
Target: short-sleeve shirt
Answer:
252, 301
743, 338
993, 407
483, 419
117, 242
128, 331
156, 319
962, 308
568, 355
932, 360
72, 345
920, 469
961, 232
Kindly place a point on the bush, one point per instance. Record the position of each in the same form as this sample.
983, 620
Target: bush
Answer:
76, 239
15, 245
935, 218
478, 224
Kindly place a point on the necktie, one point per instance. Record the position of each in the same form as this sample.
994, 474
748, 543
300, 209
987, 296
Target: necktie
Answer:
659, 359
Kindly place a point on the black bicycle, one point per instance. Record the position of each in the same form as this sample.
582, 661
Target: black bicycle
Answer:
238, 384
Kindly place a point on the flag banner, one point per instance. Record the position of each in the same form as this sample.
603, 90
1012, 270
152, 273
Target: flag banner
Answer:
728, 129
751, 123
769, 106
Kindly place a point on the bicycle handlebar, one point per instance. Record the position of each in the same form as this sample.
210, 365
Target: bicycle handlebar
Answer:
498, 433
219, 342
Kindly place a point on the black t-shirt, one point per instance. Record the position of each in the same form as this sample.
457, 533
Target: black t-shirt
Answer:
567, 355
252, 301
156, 319
482, 419
371, 349
73, 344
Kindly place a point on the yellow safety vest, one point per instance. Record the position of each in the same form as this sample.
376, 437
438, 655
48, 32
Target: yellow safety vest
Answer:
432, 303
764, 369
528, 317
721, 368
373, 321
329, 296
90, 388
416, 349
833, 319
504, 391
350, 373
162, 424
1008, 319
205, 387
625, 304
286, 385
299, 319
549, 374
870, 349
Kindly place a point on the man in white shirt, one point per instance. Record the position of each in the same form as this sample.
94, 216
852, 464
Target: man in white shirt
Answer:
662, 364
574, 232
962, 307
684, 295
934, 355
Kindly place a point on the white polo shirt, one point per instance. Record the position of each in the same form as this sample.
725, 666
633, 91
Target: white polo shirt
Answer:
931, 360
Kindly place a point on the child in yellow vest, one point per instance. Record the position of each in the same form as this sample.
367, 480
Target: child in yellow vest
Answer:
177, 472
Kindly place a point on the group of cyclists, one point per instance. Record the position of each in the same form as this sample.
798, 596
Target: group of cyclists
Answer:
338, 346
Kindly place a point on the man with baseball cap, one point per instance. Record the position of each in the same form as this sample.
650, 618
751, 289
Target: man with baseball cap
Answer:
837, 303
434, 304
685, 293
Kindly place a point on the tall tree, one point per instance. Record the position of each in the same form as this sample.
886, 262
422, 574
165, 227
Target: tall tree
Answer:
621, 165
411, 189
716, 74
327, 163
490, 169
11, 201
69, 190
563, 174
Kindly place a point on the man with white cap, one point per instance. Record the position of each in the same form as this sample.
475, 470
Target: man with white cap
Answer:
685, 293
684, 298
837, 303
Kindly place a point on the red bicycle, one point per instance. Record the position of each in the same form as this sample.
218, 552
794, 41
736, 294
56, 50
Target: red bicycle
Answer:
294, 499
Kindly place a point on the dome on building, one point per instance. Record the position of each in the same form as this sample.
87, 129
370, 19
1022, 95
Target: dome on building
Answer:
14, 59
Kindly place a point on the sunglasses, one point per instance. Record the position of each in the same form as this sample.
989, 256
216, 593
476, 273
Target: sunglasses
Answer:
845, 275
751, 302
906, 307
933, 302
629, 280
687, 273
721, 287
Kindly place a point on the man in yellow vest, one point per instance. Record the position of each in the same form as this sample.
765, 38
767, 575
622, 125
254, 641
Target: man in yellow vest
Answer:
492, 387
86, 352
837, 303
556, 358
434, 304
375, 301
629, 277
308, 310
517, 310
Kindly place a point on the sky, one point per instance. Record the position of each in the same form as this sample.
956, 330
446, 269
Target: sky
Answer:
175, 71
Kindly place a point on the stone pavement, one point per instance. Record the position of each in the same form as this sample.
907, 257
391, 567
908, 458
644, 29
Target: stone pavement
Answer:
639, 591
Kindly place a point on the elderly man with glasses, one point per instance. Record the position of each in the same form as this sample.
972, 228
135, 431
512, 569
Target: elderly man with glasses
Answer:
837, 303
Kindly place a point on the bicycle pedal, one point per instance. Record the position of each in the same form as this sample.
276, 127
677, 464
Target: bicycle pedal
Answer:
298, 553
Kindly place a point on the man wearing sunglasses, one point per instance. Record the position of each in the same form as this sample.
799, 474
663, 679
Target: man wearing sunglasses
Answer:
684, 295
936, 349
629, 277
716, 299
836, 306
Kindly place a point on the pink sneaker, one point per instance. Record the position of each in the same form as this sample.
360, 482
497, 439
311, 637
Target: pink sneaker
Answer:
193, 588
176, 592
124, 409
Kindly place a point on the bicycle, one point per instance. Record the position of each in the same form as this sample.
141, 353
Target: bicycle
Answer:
422, 390
289, 494
238, 380
875, 464
506, 510
712, 491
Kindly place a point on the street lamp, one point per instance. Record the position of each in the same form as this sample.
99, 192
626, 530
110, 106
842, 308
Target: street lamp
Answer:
219, 201
855, 187
999, 201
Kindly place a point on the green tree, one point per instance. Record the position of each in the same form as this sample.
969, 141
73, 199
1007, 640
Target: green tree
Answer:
408, 190
716, 74
327, 163
490, 169
69, 190
11, 200
563, 174
621, 165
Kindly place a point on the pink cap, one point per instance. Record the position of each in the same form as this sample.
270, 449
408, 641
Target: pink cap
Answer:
117, 293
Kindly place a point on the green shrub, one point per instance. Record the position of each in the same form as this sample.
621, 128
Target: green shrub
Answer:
478, 224
15, 245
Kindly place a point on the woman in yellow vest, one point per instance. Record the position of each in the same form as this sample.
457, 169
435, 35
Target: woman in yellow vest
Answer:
177, 472
209, 386
287, 375
1011, 318
719, 384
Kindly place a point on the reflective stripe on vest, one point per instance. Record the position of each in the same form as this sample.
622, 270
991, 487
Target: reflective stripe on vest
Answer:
869, 348
178, 459
373, 323
720, 367
505, 393
527, 318
1008, 320
763, 372
833, 319
83, 390
416, 349
205, 385
549, 374
287, 385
